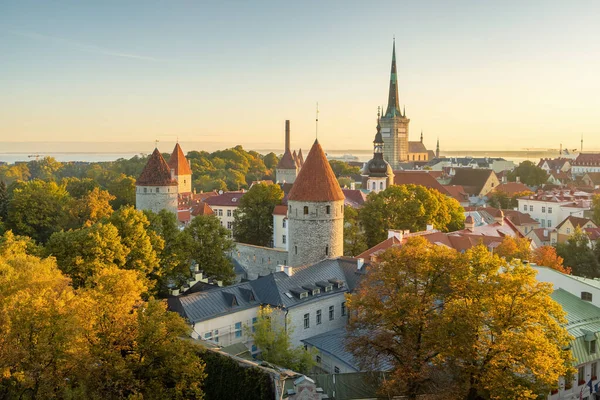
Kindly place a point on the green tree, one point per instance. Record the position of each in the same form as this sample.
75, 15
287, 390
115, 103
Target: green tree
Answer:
79, 187
529, 174
410, 207
458, 325
354, 237
91, 208
46, 168
123, 188
253, 219
271, 160
341, 168
37, 209
596, 209
578, 255
3, 201
501, 200
208, 244
82, 252
274, 343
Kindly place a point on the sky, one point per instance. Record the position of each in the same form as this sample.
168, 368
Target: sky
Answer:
478, 75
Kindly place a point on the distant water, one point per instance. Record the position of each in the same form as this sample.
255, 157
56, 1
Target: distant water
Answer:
65, 152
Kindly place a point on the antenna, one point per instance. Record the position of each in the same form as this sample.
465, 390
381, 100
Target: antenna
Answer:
317, 122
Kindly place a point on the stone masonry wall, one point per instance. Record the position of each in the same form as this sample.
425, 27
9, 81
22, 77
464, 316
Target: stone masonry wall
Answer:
257, 260
165, 199
316, 235
285, 175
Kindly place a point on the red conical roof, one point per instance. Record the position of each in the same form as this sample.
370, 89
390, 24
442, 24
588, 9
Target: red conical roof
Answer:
287, 161
178, 162
316, 180
156, 172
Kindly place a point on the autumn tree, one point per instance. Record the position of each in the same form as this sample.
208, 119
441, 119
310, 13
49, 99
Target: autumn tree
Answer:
596, 209
90, 207
578, 255
253, 222
208, 244
274, 343
37, 209
547, 257
514, 247
3, 201
458, 325
410, 207
354, 237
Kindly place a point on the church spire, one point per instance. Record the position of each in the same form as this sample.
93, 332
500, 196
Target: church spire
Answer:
421, 135
437, 149
393, 108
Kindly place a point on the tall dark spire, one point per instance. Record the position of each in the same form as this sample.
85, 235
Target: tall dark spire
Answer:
421, 135
437, 149
393, 108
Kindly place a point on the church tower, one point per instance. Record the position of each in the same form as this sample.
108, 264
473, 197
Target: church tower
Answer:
437, 149
377, 173
183, 173
287, 169
156, 188
394, 124
315, 212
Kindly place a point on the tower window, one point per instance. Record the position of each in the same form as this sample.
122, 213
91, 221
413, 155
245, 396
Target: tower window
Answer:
305, 210
326, 250
157, 190
328, 209
145, 190
296, 249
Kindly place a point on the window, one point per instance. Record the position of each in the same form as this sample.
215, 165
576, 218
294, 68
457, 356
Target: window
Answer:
592, 346
229, 213
157, 190
216, 336
331, 313
543, 209
587, 296
525, 207
229, 224
328, 209
145, 190
254, 320
549, 224
326, 250
318, 359
381, 185
296, 249
306, 321
374, 185
530, 208
318, 317
336, 370
305, 210
543, 223
344, 308
238, 329
549, 210
284, 222
595, 370
254, 348
568, 230
208, 336
220, 213
581, 375
283, 239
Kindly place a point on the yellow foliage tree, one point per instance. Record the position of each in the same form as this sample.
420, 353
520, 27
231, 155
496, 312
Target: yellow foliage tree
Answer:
512, 247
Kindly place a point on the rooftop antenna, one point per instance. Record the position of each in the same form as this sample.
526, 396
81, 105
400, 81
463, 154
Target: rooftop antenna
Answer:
317, 122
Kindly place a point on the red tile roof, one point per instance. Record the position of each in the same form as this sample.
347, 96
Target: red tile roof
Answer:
156, 172
379, 248
231, 199
512, 188
316, 181
575, 221
457, 192
593, 233
354, 197
416, 147
422, 178
587, 159
280, 209
178, 162
201, 208
183, 216
287, 161
472, 179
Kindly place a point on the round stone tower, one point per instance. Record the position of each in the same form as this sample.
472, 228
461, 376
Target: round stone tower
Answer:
315, 212
156, 188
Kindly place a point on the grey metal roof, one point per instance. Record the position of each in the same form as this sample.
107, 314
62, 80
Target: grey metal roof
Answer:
334, 344
275, 289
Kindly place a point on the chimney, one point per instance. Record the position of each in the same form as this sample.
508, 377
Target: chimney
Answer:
499, 218
174, 292
395, 233
469, 222
289, 271
359, 263
279, 268
287, 134
429, 227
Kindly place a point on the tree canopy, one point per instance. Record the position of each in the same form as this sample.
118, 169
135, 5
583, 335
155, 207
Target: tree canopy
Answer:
458, 325
410, 207
578, 255
529, 174
253, 222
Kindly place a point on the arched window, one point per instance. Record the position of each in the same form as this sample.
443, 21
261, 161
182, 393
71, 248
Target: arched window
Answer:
381, 185
374, 185
305, 210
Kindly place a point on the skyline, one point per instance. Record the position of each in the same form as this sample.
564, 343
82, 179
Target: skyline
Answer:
478, 76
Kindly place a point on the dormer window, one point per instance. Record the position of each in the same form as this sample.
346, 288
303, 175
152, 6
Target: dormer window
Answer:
328, 288
592, 346
303, 295
316, 291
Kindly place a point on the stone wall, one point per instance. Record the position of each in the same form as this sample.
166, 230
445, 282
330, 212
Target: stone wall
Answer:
156, 198
285, 175
257, 260
316, 235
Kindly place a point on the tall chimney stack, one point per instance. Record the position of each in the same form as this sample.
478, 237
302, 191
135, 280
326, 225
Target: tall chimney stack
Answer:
287, 134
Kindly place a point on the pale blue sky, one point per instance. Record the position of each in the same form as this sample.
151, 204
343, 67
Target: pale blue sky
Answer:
480, 75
